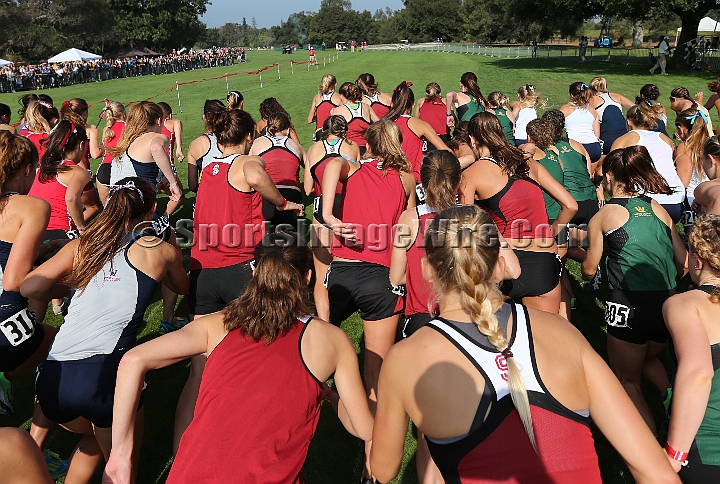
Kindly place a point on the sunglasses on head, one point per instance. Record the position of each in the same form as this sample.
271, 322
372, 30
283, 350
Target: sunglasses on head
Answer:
673, 99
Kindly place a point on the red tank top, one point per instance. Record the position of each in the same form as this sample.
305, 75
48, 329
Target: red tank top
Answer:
256, 412
228, 223
282, 163
322, 110
412, 145
53, 192
171, 146
117, 128
418, 292
357, 125
518, 210
435, 115
373, 203
377, 106
36, 139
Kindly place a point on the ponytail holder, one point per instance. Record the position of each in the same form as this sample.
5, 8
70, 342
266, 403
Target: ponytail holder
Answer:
403, 84
529, 87
72, 130
693, 117
44, 104
64, 105
583, 86
127, 186
507, 353
648, 102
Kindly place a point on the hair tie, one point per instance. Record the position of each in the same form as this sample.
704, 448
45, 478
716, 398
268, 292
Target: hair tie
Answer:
64, 105
72, 130
403, 84
583, 86
507, 353
529, 87
648, 102
127, 186
44, 104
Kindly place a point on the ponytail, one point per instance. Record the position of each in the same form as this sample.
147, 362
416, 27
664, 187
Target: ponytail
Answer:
277, 122
384, 141
234, 127
366, 83
351, 92
694, 121
234, 100
334, 125
440, 175
212, 110
113, 112
633, 168
432, 92
580, 93
403, 99
463, 255
74, 111
327, 84
645, 114
64, 138
130, 201
469, 81
16, 152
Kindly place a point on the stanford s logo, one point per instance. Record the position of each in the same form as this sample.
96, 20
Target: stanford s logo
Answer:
501, 363
216, 169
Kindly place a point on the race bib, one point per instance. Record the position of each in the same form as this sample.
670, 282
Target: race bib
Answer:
425, 146
688, 218
316, 205
617, 315
19, 327
420, 191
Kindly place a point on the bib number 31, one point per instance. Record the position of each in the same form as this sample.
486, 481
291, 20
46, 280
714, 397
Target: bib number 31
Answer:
19, 327
617, 315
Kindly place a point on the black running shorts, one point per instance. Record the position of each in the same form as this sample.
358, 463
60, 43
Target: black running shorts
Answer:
213, 289
636, 316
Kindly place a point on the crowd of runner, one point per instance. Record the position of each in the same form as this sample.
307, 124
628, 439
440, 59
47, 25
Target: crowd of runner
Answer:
58, 74
445, 221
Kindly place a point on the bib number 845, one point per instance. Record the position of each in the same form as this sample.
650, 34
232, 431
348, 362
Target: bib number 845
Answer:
19, 327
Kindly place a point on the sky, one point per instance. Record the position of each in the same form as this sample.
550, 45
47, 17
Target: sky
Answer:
224, 11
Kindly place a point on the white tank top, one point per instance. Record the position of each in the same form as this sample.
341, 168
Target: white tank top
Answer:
523, 118
695, 180
662, 156
579, 126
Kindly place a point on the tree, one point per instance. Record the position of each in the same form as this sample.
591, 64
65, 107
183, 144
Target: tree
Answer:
343, 4
160, 24
426, 20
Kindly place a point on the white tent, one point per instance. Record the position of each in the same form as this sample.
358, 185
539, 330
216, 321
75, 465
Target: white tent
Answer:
4, 62
74, 55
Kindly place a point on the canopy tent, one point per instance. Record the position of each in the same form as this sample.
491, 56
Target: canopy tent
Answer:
134, 52
74, 55
4, 62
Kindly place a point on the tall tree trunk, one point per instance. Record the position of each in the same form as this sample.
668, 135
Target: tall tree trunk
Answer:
638, 34
690, 20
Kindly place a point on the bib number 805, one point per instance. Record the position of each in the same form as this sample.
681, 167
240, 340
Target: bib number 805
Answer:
617, 315
19, 327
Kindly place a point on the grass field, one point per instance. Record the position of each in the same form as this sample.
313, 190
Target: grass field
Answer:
334, 456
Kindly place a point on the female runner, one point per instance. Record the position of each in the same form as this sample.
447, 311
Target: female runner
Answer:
582, 122
441, 176
114, 114
379, 102
431, 109
40, 119
498, 105
235, 100
692, 318
506, 186
645, 254
651, 93
707, 194
358, 119
23, 340
691, 130
76, 111
609, 107
173, 129
468, 102
413, 130
268, 107
324, 101
221, 259
680, 101
261, 346
204, 148
333, 142
283, 157
118, 270
376, 193
5, 116
524, 110
476, 380
640, 119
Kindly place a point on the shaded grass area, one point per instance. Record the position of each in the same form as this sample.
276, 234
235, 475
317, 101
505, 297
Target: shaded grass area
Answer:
335, 456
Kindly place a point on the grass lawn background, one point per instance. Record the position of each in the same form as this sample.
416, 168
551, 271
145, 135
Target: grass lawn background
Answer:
335, 456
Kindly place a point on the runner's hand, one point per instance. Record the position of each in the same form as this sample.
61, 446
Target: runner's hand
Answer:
117, 471
292, 207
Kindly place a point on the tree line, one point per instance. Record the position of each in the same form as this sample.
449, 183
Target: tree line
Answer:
38, 29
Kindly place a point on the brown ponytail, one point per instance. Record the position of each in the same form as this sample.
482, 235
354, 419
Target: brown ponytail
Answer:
469, 81
487, 132
16, 152
277, 122
580, 93
130, 201
351, 92
403, 99
440, 175
74, 111
366, 83
277, 293
64, 139
384, 141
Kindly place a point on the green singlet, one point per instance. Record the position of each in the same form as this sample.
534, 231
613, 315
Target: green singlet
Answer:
551, 163
577, 179
467, 111
640, 253
507, 125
